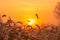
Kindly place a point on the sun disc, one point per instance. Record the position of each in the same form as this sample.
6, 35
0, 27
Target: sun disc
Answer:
31, 21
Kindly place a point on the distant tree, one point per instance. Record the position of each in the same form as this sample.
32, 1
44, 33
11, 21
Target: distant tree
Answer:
57, 12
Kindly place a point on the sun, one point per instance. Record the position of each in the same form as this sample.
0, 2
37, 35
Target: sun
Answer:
31, 21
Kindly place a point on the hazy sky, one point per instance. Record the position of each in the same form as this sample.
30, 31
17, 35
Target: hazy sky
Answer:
20, 9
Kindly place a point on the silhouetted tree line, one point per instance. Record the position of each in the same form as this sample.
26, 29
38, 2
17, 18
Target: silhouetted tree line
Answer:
11, 31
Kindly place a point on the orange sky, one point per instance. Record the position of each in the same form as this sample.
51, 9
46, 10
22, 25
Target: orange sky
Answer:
21, 9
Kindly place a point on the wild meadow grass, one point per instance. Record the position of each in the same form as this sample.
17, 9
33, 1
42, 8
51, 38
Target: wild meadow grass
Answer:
11, 31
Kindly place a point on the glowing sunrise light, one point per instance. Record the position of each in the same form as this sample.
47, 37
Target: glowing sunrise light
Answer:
31, 21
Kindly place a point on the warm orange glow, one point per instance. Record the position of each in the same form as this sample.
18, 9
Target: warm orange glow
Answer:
31, 21
19, 9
